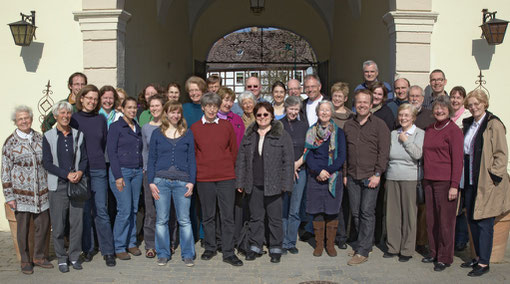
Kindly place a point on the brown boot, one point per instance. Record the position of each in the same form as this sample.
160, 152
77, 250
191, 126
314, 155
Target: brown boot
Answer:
318, 228
331, 227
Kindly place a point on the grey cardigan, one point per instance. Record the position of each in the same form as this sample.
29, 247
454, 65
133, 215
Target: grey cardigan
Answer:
404, 157
278, 155
52, 137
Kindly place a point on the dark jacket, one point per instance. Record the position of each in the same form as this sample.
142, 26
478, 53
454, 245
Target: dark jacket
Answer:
278, 156
490, 177
124, 147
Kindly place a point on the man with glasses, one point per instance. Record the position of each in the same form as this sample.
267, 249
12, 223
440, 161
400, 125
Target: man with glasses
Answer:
76, 81
437, 83
252, 84
294, 88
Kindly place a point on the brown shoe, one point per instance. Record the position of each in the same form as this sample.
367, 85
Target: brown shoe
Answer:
150, 253
44, 263
331, 228
318, 228
134, 251
27, 268
357, 259
123, 256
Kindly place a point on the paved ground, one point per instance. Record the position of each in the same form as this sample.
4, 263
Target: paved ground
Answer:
293, 269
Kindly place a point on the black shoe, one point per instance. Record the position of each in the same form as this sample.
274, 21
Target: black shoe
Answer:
87, 256
208, 254
460, 247
439, 266
63, 268
404, 258
389, 255
470, 264
77, 265
275, 257
251, 255
233, 260
110, 260
342, 245
293, 250
428, 259
479, 271
306, 236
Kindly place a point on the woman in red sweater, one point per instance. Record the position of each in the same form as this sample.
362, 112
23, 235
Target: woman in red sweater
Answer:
442, 154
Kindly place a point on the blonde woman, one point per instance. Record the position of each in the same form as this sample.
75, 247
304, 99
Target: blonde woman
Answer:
171, 173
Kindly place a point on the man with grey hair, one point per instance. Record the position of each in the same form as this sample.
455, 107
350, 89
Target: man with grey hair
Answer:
416, 98
252, 85
313, 92
370, 73
294, 87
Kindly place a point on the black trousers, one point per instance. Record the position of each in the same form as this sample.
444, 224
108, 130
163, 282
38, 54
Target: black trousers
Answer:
221, 195
260, 207
482, 230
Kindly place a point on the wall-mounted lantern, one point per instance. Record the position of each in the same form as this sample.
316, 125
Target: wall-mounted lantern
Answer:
494, 29
257, 6
23, 31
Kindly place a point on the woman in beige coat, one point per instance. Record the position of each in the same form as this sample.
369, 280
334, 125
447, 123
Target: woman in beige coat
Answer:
485, 177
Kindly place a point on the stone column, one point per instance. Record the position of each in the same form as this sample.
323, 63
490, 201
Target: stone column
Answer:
104, 33
410, 25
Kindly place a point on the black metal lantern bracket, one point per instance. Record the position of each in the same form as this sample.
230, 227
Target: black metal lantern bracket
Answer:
26, 20
493, 30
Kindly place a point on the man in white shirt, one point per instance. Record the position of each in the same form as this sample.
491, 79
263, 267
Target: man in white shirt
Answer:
313, 92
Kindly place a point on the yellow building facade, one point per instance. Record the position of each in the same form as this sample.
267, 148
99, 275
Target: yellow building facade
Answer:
129, 43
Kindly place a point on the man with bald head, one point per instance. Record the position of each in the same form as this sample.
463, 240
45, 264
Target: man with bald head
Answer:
370, 74
401, 87
294, 87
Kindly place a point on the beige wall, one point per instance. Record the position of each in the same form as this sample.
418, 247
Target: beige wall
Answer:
156, 51
54, 55
452, 50
357, 39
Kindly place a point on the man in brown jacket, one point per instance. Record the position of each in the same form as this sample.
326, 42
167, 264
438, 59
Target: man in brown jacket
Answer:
368, 146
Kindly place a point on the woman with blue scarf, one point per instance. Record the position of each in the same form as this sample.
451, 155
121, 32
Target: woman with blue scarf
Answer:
324, 156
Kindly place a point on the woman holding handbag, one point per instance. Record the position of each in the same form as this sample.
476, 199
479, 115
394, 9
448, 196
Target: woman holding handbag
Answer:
65, 159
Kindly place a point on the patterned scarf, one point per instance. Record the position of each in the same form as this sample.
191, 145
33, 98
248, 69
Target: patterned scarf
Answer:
315, 136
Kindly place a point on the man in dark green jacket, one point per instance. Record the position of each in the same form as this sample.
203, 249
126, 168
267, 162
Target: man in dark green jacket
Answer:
76, 81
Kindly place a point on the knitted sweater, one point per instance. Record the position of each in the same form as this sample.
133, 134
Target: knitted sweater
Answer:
24, 178
404, 156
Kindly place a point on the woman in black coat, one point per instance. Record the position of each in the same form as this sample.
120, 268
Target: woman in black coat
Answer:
265, 169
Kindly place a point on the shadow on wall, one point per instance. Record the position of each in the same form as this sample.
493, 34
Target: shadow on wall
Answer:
32, 55
483, 52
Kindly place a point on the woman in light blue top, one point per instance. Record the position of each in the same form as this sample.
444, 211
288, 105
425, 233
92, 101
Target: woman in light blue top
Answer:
109, 98
402, 177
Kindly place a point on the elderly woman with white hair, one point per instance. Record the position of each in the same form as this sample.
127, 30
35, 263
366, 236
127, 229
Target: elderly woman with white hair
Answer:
63, 145
26, 188
247, 101
325, 153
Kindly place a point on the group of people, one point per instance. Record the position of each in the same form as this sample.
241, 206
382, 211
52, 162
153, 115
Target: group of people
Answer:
238, 175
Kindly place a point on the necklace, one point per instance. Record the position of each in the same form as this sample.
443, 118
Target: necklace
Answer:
438, 129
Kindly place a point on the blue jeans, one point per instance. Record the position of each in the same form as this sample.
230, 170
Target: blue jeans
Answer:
87, 238
124, 229
173, 189
99, 188
291, 206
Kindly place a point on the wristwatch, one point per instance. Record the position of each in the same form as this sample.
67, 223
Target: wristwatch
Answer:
377, 174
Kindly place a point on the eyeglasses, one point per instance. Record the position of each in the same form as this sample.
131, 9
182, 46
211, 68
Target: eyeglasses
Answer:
266, 114
440, 80
311, 87
252, 86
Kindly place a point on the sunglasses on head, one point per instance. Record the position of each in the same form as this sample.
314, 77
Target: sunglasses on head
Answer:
263, 114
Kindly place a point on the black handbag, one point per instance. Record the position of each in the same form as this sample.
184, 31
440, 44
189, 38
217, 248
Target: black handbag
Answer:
78, 191
420, 194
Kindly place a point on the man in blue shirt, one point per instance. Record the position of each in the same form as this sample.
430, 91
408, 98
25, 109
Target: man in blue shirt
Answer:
370, 73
